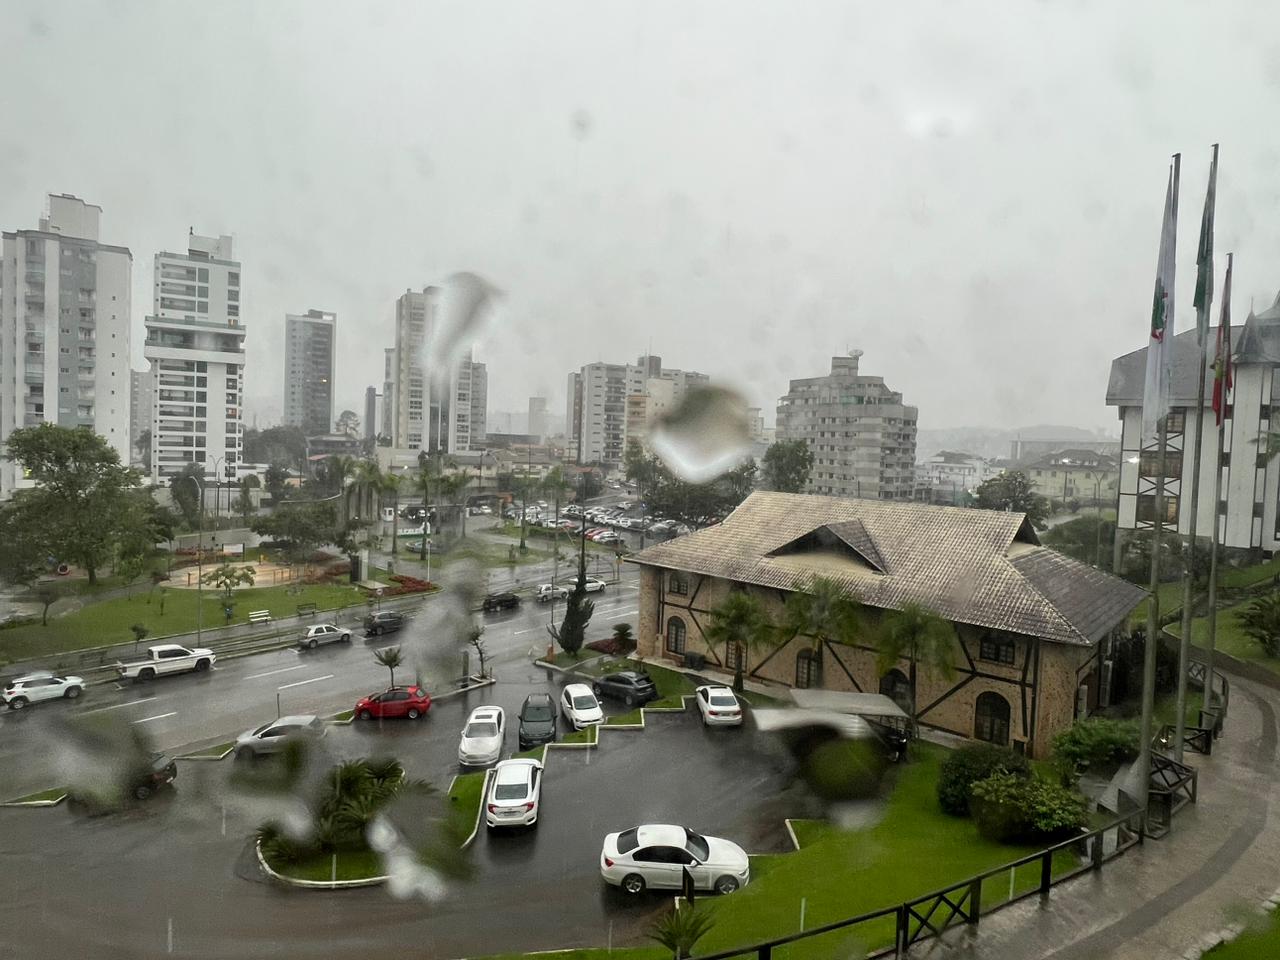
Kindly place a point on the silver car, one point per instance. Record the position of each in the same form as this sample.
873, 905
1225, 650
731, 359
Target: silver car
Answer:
271, 738
323, 633
482, 738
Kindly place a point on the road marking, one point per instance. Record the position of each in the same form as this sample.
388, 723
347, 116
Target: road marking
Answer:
158, 716
116, 706
520, 633
624, 613
299, 683
272, 673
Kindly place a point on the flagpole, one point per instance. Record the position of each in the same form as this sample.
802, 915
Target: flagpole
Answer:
1204, 300
1157, 530
1217, 496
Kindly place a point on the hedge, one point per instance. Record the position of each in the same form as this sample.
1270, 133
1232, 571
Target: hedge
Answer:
964, 767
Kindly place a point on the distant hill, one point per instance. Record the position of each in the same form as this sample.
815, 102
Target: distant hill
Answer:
998, 442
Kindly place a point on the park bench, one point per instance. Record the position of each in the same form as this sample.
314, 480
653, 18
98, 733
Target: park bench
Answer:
306, 609
260, 616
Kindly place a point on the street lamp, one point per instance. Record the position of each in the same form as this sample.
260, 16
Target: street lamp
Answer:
217, 489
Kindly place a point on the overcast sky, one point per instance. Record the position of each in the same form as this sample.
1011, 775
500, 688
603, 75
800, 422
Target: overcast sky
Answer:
968, 192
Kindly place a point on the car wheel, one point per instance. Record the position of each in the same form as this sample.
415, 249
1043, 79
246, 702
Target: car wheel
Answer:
141, 791
365, 715
413, 714
17, 703
632, 884
72, 693
726, 884
244, 754
311, 645
346, 638
202, 665
597, 690
147, 674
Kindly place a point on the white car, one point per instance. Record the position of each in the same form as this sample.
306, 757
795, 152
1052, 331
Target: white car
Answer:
591, 585
515, 794
655, 855
719, 706
546, 591
580, 706
271, 738
481, 741
38, 686
323, 633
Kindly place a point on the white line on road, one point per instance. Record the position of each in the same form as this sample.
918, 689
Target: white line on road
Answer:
299, 683
623, 613
519, 633
272, 673
115, 706
158, 716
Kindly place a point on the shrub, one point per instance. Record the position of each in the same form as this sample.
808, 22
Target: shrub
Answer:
1097, 741
1009, 808
964, 767
839, 769
1260, 620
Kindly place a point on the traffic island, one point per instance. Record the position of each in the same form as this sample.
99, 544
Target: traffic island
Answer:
44, 798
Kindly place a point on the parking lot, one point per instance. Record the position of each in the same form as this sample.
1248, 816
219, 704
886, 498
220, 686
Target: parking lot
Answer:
127, 877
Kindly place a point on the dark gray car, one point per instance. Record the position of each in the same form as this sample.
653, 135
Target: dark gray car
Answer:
384, 621
537, 720
630, 686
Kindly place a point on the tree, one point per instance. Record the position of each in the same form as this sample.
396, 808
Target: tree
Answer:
1012, 491
47, 592
244, 503
475, 637
624, 641
390, 657
274, 479
680, 930
81, 491
572, 631
26, 553
226, 577
142, 443
822, 610
921, 637
129, 568
640, 469
691, 503
348, 423
391, 486
140, 633
302, 526
740, 621
187, 490
786, 466
1260, 621
275, 445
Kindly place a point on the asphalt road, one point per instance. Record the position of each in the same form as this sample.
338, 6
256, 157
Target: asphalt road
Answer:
176, 876
193, 710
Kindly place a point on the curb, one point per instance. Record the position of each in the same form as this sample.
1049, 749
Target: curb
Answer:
539, 662
33, 803
313, 884
1211, 941
484, 792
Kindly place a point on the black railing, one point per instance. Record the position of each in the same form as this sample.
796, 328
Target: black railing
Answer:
1197, 739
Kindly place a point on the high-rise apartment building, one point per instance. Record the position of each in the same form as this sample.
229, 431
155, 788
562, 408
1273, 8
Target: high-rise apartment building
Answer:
596, 411
479, 401
64, 329
537, 425
196, 347
387, 419
644, 408
142, 396
370, 413
310, 340
862, 436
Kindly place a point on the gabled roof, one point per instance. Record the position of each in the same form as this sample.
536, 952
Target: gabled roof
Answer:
980, 567
1129, 372
850, 536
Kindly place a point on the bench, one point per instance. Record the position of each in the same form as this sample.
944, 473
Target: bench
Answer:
306, 609
260, 616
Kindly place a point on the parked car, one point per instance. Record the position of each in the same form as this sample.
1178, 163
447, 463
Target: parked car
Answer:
610, 537
272, 737
632, 687
580, 706
592, 584
501, 601
485, 510
415, 546
656, 855
384, 621
40, 685
537, 721
139, 779
482, 737
515, 794
323, 633
718, 705
546, 591
411, 702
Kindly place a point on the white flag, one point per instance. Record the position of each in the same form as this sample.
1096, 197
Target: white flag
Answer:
1155, 397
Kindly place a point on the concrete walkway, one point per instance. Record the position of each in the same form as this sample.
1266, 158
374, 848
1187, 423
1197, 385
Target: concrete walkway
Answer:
1164, 898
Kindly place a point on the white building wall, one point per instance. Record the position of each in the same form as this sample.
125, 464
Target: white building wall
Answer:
112, 347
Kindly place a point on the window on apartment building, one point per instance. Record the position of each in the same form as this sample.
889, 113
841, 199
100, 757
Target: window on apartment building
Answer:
1149, 464
991, 719
997, 648
1146, 508
675, 636
679, 584
1176, 422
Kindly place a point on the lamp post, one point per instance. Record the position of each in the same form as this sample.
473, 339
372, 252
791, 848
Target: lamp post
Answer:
217, 489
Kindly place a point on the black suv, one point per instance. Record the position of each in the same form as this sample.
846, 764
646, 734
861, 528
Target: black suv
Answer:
142, 777
537, 720
630, 686
384, 621
500, 601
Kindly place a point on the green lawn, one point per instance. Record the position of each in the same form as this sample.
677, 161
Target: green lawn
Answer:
56, 793
912, 851
585, 735
107, 622
1260, 942
1230, 638
351, 865
464, 800
595, 953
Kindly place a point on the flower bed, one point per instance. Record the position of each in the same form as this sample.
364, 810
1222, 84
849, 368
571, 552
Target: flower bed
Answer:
406, 584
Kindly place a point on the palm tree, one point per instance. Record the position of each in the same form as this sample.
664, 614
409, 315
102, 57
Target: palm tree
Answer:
337, 470
368, 482
920, 636
390, 657
740, 621
822, 610
451, 488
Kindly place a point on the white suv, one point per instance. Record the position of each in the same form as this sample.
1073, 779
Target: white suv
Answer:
323, 633
40, 686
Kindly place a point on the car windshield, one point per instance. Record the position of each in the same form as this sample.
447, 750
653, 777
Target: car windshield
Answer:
697, 845
537, 711
585, 703
483, 728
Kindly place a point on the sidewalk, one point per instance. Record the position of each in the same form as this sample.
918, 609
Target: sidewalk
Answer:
1161, 899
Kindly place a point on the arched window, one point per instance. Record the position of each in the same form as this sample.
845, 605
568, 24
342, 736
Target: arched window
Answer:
675, 635
808, 669
735, 657
895, 686
991, 719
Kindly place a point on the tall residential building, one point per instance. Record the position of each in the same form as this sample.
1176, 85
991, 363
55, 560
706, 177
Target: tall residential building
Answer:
862, 436
1249, 509
196, 347
642, 409
410, 382
64, 329
479, 403
370, 413
142, 397
537, 425
596, 411
387, 417
310, 340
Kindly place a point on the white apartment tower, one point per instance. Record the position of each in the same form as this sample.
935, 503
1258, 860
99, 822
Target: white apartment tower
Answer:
64, 330
310, 340
862, 436
196, 347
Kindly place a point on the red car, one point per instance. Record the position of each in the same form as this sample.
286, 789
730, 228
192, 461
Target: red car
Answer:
411, 702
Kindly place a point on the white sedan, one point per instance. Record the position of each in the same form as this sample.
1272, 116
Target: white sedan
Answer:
718, 706
580, 706
481, 741
656, 855
515, 794
323, 633
591, 585
40, 686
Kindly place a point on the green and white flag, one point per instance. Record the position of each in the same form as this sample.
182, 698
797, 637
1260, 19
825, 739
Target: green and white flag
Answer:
1204, 257
1155, 396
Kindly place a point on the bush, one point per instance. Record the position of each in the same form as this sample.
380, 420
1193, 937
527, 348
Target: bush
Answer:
1009, 808
1260, 621
964, 767
1098, 741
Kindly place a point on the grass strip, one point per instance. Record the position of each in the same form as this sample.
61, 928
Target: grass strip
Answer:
52, 794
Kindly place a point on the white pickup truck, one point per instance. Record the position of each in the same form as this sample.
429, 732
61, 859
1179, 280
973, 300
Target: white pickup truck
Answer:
166, 658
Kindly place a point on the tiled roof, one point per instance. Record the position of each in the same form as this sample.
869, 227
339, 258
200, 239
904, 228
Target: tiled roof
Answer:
1129, 372
980, 567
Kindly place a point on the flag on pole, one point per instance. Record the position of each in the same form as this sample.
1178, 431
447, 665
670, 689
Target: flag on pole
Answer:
1222, 382
1204, 257
1155, 396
